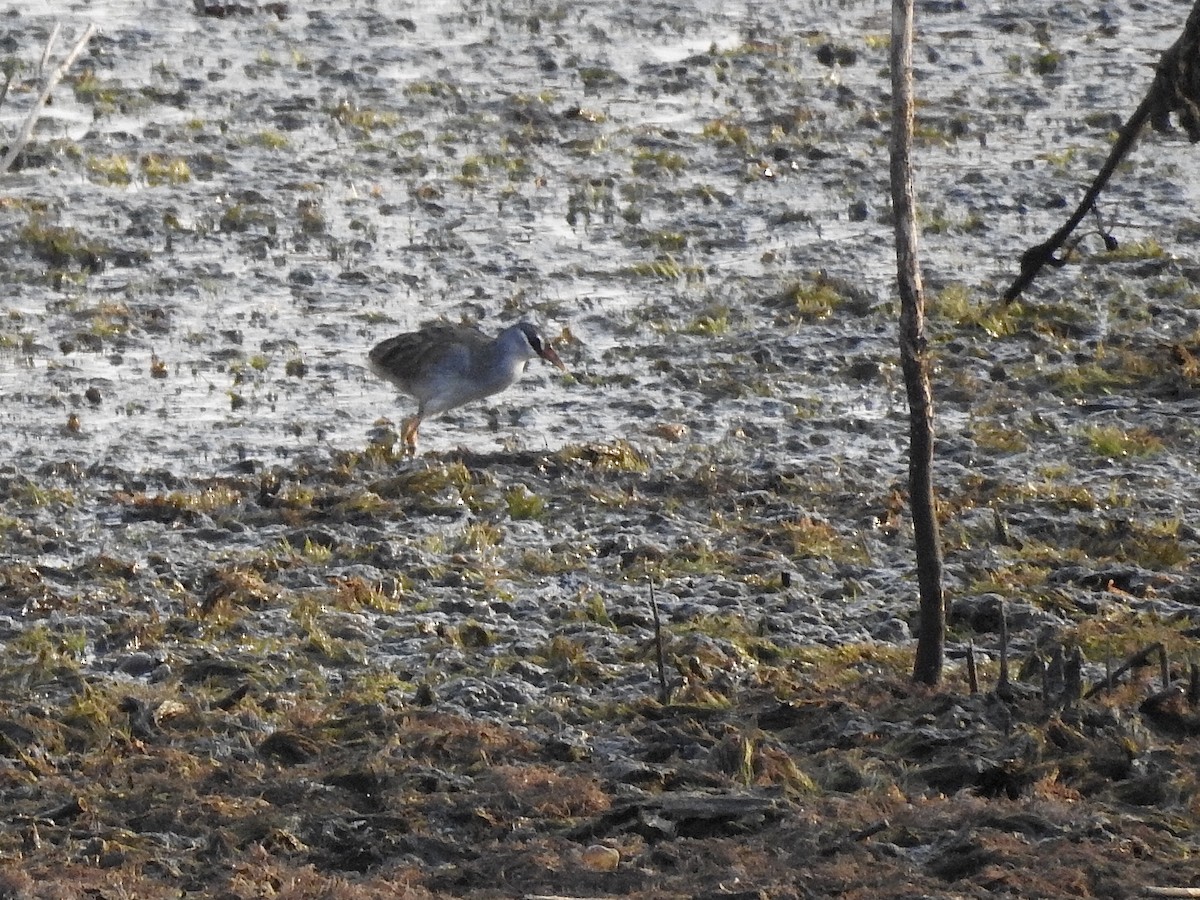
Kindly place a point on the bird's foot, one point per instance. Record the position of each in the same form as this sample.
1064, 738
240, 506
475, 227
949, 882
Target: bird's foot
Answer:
408, 433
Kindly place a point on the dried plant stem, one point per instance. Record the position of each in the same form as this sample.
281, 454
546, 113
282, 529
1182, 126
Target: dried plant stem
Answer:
50, 42
27, 129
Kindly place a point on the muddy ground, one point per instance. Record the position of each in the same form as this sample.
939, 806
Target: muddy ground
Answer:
252, 651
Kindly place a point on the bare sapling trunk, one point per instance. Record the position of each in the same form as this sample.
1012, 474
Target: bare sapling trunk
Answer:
931, 635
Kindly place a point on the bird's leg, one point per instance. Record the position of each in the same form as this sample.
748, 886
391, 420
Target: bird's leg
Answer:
408, 431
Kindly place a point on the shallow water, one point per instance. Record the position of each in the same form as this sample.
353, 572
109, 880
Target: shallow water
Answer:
644, 179
407, 237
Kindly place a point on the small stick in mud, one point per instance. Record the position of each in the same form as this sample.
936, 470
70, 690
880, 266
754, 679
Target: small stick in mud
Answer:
1055, 677
1176, 88
972, 674
1003, 687
664, 692
1072, 677
1035, 669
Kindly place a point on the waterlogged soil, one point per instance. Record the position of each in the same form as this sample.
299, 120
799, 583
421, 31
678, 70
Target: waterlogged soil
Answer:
249, 650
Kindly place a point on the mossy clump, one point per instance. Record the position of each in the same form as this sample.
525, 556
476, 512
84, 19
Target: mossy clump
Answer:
1047, 62
61, 246
712, 323
523, 504
595, 78
1134, 251
109, 319
164, 169
559, 562
648, 163
435, 479
996, 437
50, 646
814, 538
30, 493
666, 267
1114, 442
805, 300
433, 90
569, 659
352, 592
849, 663
955, 304
1108, 370
233, 588
1154, 544
617, 456
242, 217
471, 172
473, 635
167, 507
1123, 631
113, 169
271, 139
479, 537
664, 241
727, 134
105, 96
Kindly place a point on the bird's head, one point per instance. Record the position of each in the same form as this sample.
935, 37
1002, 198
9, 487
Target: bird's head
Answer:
540, 345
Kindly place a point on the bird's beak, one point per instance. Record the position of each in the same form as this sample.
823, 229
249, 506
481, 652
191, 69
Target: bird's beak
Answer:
550, 356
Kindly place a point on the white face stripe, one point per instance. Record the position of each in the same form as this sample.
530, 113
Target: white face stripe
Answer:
532, 337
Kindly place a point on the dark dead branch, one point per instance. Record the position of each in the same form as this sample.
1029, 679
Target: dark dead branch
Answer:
1142, 658
1175, 89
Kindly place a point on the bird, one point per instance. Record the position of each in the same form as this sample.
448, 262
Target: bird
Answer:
443, 366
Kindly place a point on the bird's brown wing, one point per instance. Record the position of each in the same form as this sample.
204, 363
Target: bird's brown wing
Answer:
406, 357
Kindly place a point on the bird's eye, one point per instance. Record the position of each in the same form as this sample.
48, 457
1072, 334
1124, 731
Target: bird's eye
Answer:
535, 340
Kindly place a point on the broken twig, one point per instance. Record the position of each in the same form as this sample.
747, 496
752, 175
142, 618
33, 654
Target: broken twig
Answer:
1141, 658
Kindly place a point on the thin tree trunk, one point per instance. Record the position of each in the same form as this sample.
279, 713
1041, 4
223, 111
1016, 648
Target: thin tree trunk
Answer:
931, 635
